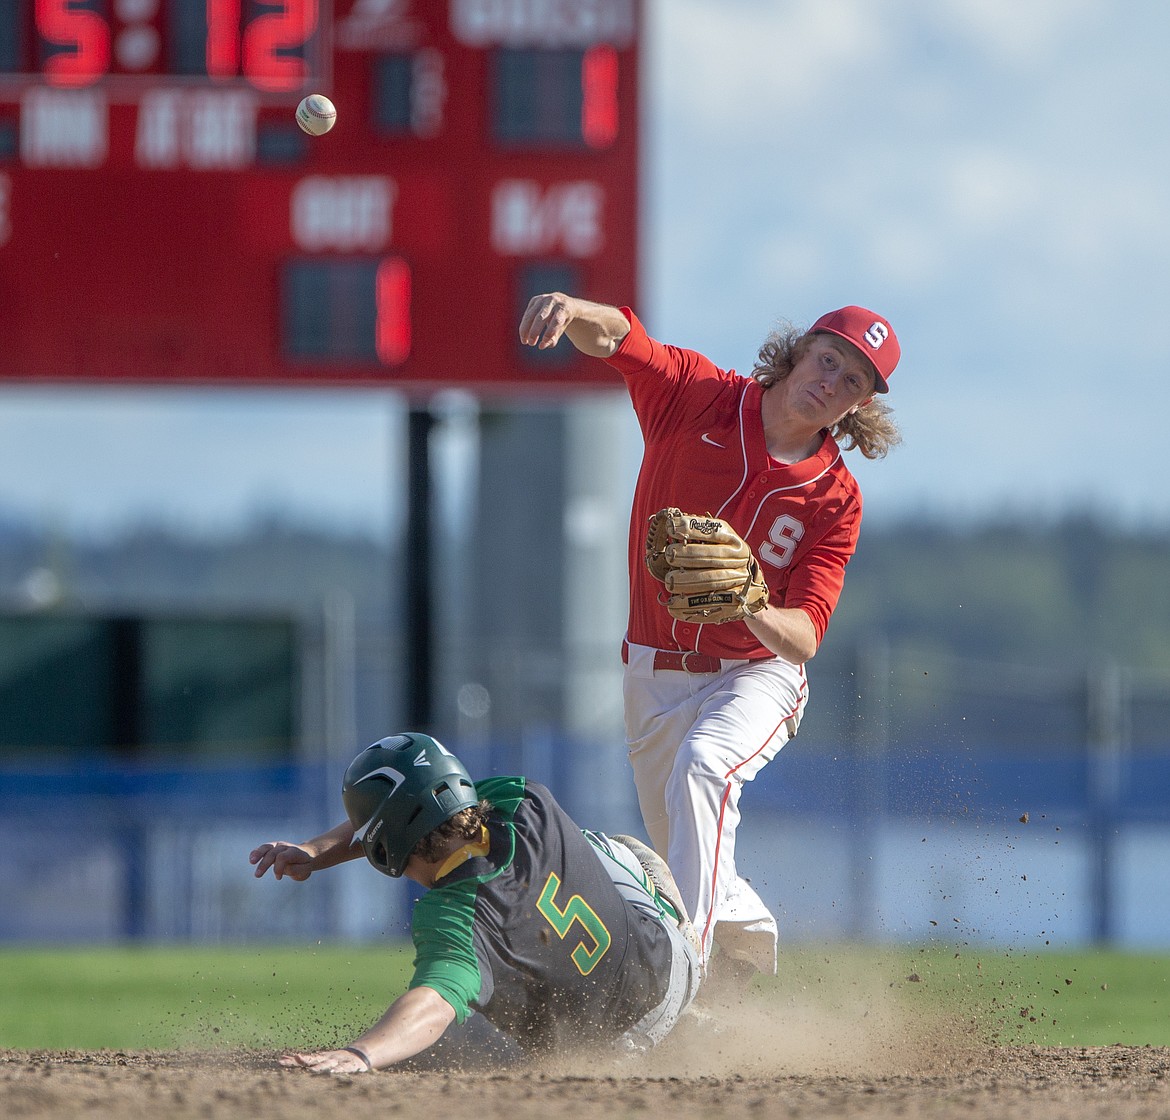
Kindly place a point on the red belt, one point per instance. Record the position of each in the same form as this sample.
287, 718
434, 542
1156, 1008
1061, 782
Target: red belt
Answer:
680, 661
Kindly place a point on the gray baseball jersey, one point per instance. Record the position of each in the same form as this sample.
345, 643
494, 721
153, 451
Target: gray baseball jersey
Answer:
534, 935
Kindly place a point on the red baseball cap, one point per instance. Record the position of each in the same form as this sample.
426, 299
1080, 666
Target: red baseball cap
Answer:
870, 333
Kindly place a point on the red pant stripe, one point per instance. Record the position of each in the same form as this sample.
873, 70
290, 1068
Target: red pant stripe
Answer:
722, 808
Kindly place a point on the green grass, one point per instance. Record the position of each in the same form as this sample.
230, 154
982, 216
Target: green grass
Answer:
179, 997
1049, 998
185, 997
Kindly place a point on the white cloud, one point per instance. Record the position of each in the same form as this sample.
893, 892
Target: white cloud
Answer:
984, 189
996, 161
793, 254
1020, 32
750, 71
905, 252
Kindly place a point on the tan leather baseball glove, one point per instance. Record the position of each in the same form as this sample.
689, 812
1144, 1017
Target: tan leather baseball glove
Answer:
708, 568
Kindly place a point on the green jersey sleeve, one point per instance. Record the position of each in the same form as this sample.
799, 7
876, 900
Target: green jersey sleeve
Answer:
445, 959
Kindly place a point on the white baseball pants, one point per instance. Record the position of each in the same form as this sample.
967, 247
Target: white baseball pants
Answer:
694, 739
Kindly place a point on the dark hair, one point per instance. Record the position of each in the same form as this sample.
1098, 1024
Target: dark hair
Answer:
465, 826
871, 429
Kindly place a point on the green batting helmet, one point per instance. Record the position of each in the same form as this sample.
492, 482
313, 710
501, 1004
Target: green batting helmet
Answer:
398, 790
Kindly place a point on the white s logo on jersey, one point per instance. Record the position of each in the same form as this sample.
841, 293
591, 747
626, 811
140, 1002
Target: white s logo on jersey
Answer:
782, 540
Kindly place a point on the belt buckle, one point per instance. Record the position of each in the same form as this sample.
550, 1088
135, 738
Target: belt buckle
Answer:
686, 654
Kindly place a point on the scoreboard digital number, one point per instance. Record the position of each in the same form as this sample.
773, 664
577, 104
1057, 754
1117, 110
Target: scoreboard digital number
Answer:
163, 220
77, 43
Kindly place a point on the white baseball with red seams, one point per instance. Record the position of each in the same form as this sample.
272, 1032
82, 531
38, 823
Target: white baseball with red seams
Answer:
316, 114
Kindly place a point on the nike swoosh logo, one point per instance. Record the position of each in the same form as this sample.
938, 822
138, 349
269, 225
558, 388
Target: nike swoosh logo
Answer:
395, 777
708, 439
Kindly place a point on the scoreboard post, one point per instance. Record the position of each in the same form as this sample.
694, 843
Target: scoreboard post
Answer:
164, 221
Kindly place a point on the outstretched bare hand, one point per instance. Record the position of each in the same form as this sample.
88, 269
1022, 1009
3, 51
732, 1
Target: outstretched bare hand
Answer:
545, 319
284, 858
326, 1061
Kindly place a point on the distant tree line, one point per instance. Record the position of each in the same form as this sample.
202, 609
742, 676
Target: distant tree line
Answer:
1056, 599
1069, 594
1065, 594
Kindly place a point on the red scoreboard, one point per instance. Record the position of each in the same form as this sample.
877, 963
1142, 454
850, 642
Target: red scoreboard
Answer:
163, 219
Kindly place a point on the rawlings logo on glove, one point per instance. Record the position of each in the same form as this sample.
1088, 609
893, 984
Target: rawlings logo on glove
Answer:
708, 569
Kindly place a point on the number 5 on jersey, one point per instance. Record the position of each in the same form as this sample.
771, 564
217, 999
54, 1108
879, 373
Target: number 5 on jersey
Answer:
575, 910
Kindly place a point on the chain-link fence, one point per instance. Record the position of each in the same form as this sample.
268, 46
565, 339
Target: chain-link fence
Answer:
935, 795
922, 799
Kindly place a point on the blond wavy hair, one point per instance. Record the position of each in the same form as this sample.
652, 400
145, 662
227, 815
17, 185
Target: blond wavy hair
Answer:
871, 429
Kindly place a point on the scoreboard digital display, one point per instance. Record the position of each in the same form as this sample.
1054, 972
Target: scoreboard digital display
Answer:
78, 43
163, 219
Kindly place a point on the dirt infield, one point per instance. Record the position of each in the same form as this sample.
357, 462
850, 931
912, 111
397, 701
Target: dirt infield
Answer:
1042, 1084
749, 1063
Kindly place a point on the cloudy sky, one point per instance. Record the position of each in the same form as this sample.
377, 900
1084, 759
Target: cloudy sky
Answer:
991, 175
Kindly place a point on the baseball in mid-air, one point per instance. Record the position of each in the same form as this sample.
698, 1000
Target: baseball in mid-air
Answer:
316, 114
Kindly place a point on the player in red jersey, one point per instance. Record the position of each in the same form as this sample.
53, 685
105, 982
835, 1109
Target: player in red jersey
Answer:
707, 707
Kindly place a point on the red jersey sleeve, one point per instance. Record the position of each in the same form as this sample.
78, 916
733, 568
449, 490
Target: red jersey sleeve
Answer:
636, 351
666, 383
814, 584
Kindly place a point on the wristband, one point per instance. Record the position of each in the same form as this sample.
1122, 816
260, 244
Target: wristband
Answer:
361, 1054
